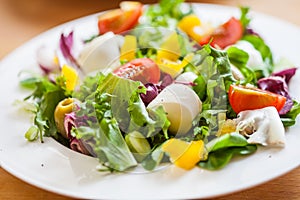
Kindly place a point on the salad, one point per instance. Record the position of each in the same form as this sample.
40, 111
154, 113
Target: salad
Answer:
158, 85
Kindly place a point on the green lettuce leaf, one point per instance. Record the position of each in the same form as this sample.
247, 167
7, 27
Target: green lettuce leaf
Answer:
239, 59
219, 159
118, 108
265, 51
46, 96
222, 149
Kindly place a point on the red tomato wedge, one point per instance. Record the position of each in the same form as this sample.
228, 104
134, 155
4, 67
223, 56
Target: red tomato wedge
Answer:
226, 34
245, 98
121, 19
140, 69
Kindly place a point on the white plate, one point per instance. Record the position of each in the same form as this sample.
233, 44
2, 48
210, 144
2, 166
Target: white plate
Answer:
55, 168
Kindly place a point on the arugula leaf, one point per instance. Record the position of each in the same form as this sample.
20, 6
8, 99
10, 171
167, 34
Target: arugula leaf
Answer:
244, 19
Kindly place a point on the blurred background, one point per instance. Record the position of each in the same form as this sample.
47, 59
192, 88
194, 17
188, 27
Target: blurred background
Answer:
21, 20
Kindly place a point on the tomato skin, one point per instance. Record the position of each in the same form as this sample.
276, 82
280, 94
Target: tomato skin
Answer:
245, 98
226, 34
121, 19
140, 69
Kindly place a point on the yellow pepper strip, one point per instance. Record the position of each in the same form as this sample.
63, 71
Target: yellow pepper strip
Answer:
192, 26
128, 49
174, 68
184, 154
187, 25
170, 48
71, 77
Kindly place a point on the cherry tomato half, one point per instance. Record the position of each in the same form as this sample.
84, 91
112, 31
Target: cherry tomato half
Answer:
226, 34
247, 98
140, 69
122, 19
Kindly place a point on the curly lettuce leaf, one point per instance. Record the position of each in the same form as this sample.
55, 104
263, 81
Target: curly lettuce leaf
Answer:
118, 108
46, 96
214, 74
165, 14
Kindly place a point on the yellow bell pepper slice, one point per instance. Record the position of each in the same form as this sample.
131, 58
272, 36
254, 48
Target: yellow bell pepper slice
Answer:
170, 48
174, 68
193, 26
71, 77
128, 48
184, 154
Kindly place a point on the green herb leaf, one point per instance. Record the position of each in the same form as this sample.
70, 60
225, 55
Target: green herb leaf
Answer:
239, 59
220, 158
153, 159
289, 119
244, 19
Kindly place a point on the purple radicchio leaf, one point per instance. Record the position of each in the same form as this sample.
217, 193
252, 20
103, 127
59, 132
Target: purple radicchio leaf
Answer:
277, 84
79, 146
46, 60
287, 74
69, 123
151, 93
154, 89
165, 81
250, 31
66, 44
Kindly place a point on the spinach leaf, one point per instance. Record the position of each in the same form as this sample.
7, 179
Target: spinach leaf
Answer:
220, 158
239, 59
225, 141
223, 148
265, 51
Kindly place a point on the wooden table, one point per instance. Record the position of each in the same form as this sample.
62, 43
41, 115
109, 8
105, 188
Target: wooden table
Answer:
21, 20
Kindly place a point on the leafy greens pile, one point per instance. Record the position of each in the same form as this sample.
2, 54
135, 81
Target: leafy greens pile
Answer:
111, 106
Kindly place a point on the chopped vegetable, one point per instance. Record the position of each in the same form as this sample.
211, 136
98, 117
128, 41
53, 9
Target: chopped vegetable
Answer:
249, 98
228, 33
70, 76
120, 20
183, 154
140, 69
